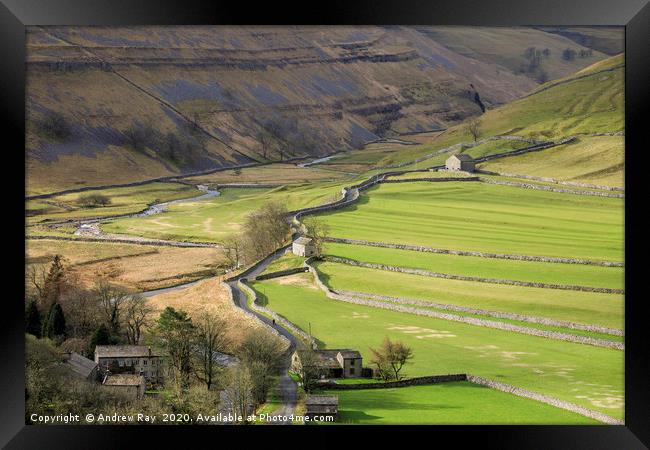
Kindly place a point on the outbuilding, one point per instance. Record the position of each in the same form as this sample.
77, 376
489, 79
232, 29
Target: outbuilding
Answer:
460, 162
322, 407
303, 246
129, 384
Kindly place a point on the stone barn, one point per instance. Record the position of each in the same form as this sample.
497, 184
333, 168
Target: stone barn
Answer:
460, 162
321, 406
334, 363
303, 246
129, 384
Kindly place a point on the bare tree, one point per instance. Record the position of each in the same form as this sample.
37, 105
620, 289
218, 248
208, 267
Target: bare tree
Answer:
310, 370
261, 352
238, 396
110, 300
473, 128
136, 317
233, 248
390, 358
210, 338
318, 231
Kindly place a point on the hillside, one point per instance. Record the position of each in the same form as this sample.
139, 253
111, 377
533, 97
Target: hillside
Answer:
116, 105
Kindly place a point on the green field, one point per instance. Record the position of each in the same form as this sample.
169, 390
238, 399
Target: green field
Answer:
488, 218
589, 376
286, 261
573, 306
214, 219
447, 403
123, 200
576, 274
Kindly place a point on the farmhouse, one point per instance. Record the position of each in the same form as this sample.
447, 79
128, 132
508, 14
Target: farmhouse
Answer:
320, 406
129, 384
81, 367
303, 246
460, 162
134, 359
335, 363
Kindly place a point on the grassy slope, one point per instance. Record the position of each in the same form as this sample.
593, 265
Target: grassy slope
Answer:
586, 375
594, 159
574, 306
589, 101
476, 216
611, 277
448, 403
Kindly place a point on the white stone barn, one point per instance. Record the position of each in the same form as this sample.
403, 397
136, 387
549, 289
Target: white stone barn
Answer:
303, 246
460, 162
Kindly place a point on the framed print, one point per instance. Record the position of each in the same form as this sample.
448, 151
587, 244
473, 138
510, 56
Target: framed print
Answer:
395, 216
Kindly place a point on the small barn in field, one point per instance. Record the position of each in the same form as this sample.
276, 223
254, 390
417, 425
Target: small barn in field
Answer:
321, 406
460, 162
303, 246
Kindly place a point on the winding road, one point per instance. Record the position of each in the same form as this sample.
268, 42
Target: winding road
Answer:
288, 389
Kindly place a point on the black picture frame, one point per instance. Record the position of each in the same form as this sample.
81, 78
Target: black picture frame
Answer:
633, 14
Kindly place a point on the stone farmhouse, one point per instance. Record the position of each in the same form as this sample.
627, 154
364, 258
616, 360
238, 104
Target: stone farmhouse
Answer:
81, 367
321, 406
133, 359
130, 384
303, 246
460, 162
335, 363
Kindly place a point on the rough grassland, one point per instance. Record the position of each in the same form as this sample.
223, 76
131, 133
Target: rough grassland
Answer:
206, 296
589, 376
448, 403
573, 306
214, 219
123, 200
271, 174
596, 160
578, 274
134, 267
489, 218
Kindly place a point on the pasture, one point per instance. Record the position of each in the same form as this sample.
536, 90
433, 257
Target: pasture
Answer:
488, 218
573, 306
123, 200
214, 219
588, 376
542, 272
457, 402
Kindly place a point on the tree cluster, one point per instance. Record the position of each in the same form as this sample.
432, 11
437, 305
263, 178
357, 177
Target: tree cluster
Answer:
264, 231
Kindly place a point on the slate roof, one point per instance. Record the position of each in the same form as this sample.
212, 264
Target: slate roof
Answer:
122, 351
322, 400
350, 354
462, 157
80, 366
302, 240
123, 379
328, 359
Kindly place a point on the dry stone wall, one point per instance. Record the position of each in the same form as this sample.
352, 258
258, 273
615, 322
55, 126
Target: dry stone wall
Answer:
242, 283
253, 316
550, 188
448, 276
469, 320
420, 248
418, 381
553, 180
484, 312
544, 399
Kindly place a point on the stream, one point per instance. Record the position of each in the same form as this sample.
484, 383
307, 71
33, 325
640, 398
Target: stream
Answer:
91, 227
